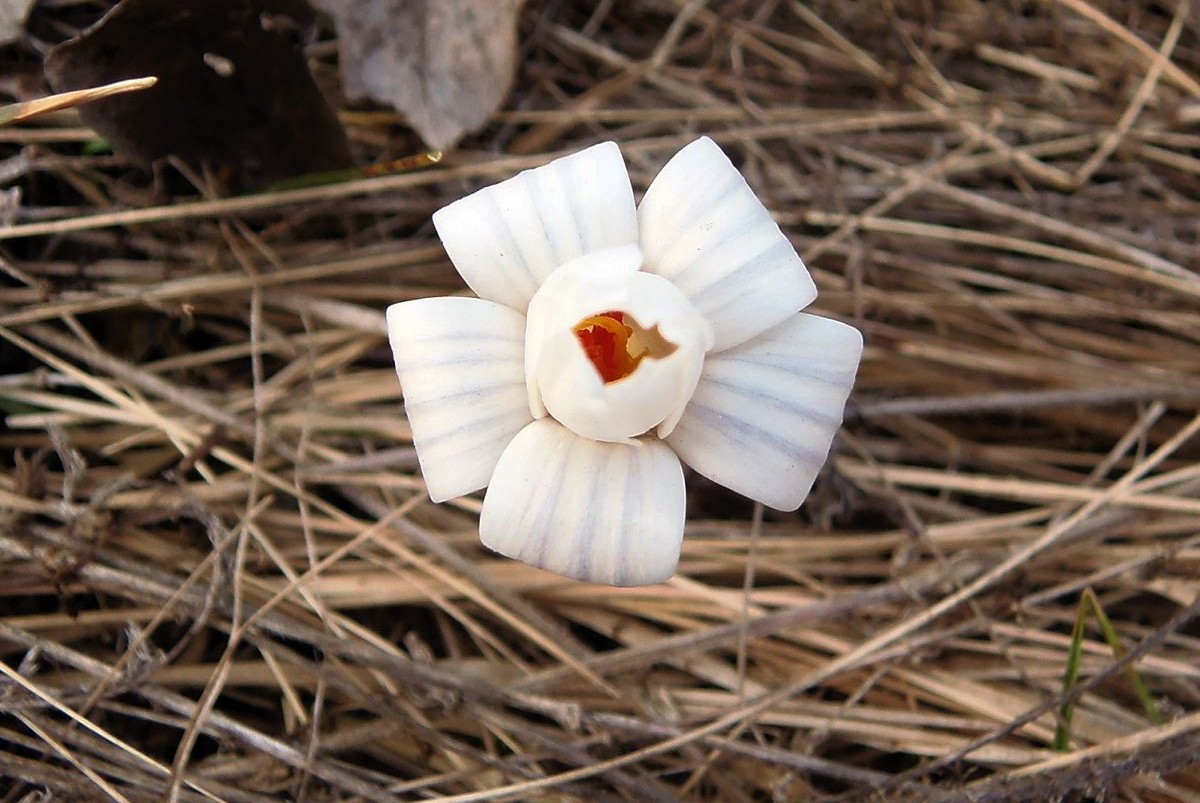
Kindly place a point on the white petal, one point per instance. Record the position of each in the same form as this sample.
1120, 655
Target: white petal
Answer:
461, 369
564, 382
601, 512
570, 294
765, 412
507, 238
703, 228
618, 411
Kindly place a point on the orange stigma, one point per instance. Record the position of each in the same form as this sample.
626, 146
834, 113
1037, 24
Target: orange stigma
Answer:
615, 347
605, 340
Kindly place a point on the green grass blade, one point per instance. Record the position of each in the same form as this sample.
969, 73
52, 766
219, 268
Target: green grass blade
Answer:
1114, 642
1062, 732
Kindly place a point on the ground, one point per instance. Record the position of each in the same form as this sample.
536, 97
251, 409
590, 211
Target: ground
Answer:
220, 577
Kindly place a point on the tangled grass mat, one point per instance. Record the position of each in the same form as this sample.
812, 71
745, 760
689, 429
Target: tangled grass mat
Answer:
220, 578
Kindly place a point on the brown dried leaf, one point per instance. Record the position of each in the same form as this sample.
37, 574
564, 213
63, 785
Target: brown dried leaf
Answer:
446, 64
12, 18
234, 87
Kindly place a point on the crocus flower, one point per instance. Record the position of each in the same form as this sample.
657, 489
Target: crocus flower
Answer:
609, 341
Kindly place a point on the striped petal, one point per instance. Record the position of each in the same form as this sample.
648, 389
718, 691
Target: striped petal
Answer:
461, 367
764, 414
601, 512
506, 239
703, 228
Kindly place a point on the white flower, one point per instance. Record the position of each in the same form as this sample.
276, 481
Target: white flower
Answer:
608, 342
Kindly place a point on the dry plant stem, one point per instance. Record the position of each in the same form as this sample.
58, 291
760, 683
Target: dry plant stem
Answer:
1161, 60
1025, 554
49, 700
1103, 771
729, 635
1083, 8
1131, 744
216, 683
84, 770
20, 112
143, 586
410, 673
165, 390
221, 724
747, 586
210, 286
890, 636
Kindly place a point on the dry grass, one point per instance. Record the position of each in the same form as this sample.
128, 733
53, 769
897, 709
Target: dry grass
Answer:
220, 578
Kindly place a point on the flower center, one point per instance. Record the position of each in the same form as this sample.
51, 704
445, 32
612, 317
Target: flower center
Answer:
616, 344
612, 352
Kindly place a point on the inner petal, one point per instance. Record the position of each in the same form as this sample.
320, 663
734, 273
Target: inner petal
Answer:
611, 352
616, 343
